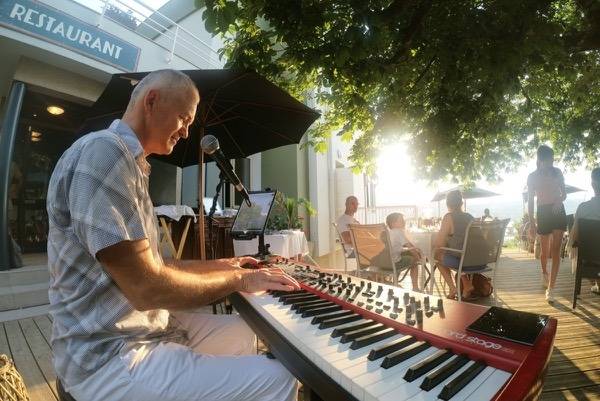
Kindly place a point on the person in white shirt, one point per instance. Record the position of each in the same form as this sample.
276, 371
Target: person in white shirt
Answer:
589, 210
404, 253
486, 215
344, 220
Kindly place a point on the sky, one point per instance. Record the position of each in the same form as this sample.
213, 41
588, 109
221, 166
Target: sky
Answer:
396, 185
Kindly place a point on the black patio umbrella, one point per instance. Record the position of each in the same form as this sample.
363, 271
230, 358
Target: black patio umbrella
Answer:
569, 189
247, 113
470, 193
467, 193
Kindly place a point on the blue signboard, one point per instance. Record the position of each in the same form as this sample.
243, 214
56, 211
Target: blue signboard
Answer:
50, 24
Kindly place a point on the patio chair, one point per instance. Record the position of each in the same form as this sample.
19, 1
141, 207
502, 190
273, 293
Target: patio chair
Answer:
588, 253
347, 252
373, 250
565, 240
481, 249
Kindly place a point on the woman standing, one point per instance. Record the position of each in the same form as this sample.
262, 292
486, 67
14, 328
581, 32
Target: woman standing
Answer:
548, 185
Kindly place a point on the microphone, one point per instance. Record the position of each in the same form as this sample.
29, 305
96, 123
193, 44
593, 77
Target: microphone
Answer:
210, 146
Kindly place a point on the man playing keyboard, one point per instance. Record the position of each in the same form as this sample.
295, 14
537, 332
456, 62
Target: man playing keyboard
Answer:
123, 321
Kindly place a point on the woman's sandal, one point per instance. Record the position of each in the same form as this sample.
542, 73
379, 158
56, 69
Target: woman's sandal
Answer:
470, 297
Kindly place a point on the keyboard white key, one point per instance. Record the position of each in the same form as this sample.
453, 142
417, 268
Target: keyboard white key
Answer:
399, 386
366, 380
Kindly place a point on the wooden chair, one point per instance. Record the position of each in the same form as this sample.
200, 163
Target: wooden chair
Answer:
347, 252
481, 248
588, 253
373, 250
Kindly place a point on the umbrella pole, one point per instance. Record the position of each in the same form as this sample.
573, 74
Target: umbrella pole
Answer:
201, 183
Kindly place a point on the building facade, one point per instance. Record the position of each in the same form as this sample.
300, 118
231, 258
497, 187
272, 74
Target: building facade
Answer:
58, 56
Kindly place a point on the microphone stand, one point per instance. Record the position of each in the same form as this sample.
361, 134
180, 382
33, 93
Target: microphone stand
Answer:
213, 208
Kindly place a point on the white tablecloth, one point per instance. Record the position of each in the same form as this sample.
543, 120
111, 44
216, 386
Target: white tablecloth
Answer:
424, 241
175, 212
288, 244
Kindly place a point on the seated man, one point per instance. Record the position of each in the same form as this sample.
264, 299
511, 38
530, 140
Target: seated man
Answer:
344, 220
404, 253
114, 336
486, 215
588, 210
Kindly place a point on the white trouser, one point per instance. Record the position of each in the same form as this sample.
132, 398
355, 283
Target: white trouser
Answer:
218, 363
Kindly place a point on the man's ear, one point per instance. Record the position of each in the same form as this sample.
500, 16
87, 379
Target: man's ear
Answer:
151, 100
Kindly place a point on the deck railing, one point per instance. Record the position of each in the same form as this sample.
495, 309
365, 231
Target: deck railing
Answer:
372, 215
150, 23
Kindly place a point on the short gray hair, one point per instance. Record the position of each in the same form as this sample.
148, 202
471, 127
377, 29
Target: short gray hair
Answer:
162, 78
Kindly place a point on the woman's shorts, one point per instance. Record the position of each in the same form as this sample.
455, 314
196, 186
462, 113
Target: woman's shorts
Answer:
548, 221
452, 262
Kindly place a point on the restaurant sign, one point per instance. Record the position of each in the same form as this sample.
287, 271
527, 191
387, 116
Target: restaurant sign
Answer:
50, 24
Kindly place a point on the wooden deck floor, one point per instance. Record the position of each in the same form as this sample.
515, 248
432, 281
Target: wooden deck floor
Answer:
574, 372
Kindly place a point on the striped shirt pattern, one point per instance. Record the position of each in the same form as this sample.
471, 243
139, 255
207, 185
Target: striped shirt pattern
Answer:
97, 197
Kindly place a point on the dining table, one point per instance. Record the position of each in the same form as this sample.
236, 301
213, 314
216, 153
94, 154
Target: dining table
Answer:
424, 240
286, 243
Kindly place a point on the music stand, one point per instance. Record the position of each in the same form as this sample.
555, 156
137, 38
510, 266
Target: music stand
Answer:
250, 221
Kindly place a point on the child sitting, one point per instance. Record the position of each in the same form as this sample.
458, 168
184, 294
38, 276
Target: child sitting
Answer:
404, 253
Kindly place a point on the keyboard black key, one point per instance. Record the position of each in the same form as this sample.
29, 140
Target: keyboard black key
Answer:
460, 381
443, 372
319, 311
338, 321
402, 355
420, 368
303, 308
332, 315
294, 300
295, 306
278, 293
373, 338
292, 294
390, 347
358, 325
353, 335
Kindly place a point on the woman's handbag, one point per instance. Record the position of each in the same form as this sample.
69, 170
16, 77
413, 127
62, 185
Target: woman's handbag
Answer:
11, 383
482, 285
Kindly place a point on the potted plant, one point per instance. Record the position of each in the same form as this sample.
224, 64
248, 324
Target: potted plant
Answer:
284, 215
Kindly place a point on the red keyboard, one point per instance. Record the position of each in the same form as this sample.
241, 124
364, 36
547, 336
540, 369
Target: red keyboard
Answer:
362, 340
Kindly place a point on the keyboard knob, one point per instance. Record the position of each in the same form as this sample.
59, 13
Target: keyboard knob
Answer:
348, 280
419, 315
362, 283
406, 298
369, 285
426, 302
418, 304
348, 291
440, 304
379, 288
412, 300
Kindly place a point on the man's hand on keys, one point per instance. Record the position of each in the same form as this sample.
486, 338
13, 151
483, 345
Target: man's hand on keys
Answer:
272, 278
